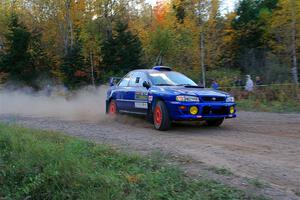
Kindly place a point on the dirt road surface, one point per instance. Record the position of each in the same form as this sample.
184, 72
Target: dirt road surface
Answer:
262, 150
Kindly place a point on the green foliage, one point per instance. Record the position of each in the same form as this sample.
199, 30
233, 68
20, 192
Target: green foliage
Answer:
25, 60
180, 11
250, 26
74, 68
116, 37
291, 106
225, 77
248, 21
268, 99
40, 59
46, 165
122, 52
162, 42
17, 60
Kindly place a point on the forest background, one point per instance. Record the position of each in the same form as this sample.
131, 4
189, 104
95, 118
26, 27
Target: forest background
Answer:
84, 42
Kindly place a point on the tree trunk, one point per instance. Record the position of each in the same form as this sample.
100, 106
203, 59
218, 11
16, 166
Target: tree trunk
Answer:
68, 26
71, 34
202, 59
293, 48
108, 21
92, 68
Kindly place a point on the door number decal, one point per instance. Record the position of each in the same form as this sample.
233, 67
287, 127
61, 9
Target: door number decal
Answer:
141, 105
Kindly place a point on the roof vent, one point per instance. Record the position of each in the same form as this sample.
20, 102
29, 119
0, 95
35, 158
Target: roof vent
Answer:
162, 68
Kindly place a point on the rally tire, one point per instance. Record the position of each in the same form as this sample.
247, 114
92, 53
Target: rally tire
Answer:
214, 122
161, 118
112, 108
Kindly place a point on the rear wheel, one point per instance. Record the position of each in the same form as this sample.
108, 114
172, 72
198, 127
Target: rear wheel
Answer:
214, 122
161, 117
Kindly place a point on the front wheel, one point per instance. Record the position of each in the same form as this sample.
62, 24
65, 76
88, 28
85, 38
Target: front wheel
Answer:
214, 122
161, 117
112, 108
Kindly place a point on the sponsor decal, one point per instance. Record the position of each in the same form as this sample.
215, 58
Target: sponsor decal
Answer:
141, 95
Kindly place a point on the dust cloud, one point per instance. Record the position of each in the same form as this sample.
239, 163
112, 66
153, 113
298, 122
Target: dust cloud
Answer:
87, 104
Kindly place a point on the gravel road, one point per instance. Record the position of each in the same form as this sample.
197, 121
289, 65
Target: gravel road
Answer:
255, 146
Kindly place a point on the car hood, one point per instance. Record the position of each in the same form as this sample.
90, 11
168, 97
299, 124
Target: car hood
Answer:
193, 91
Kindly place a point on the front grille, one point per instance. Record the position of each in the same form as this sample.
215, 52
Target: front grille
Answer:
207, 110
213, 99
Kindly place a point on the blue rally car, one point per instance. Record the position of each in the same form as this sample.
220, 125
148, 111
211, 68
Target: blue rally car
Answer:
165, 96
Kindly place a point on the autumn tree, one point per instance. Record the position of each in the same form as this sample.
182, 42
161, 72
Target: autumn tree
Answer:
3, 24
160, 35
180, 10
168, 40
213, 33
284, 31
228, 45
82, 42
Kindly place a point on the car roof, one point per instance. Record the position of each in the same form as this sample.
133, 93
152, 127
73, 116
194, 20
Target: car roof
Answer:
150, 71
155, 69
143, 70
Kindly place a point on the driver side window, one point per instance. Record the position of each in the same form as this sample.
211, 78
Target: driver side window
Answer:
133, 79
142, 79
137, 79
125, 81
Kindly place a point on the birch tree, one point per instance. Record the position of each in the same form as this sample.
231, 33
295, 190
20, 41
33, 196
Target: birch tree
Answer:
285, 29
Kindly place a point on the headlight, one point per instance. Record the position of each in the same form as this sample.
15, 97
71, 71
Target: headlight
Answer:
187, 99
230, 99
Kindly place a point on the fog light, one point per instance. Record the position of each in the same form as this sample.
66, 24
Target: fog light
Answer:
231, 110
194, 110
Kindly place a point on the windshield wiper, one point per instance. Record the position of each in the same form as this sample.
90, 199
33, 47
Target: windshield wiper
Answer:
184, 85
164, 84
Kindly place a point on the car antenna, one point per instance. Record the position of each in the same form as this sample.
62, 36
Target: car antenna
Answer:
159, 59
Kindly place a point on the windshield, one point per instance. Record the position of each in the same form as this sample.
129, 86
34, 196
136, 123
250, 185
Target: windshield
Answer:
170, 79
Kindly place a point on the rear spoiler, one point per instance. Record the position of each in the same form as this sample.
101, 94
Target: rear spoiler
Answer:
114, 80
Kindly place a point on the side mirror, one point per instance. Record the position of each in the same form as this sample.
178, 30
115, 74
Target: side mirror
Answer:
112, 82
146, 84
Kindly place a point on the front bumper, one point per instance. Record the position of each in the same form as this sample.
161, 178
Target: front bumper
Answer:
212, 110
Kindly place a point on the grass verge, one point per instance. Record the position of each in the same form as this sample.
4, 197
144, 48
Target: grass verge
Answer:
272, 106
46, 165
